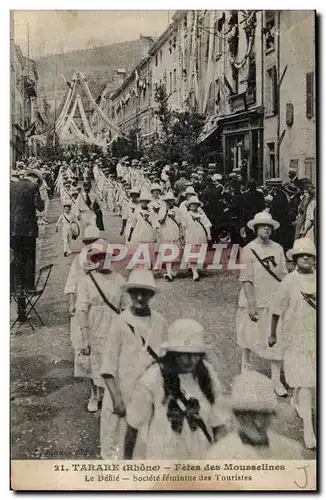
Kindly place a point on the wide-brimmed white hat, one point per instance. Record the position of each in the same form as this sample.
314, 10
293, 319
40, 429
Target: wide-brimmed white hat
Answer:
91, 233
67, 203
190, 190
302, 246
134, 162
34, 173
145, 196
211, 165
253, 391
216, 177
193, 200
134, 190
185, 335
169, 196
156, 187
263, 218
141, 278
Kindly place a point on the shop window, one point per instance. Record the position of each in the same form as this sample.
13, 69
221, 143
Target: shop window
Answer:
174, 80
269, 30
310, 169
309, 95
271, 91
271, 160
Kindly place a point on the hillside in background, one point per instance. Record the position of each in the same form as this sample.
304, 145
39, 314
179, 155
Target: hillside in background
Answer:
98, 65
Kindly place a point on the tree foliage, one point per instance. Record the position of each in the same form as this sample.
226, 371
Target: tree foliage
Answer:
130, 145
52, 149
178, 137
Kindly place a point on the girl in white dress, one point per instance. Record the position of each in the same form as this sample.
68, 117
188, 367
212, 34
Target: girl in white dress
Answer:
177, 399
295, 304
143, 223
128, 210
135, 337
170, 220
95, 315
264, 268
197, 229
156, 202
254, 405
76, 273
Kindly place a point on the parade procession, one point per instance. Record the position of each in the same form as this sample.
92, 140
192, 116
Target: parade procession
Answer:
163, 269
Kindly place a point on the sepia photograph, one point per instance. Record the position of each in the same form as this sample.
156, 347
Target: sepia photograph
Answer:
163, 233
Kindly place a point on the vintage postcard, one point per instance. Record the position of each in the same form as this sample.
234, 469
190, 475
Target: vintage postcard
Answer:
163, 250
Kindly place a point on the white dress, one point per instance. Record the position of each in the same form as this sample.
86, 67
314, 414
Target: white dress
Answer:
128, 211
295, 303
76, 273
126, 358
148, 408
144, 223
197, 227
250, 334
99, 314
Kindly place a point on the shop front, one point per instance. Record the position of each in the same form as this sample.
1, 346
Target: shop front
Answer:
242, 142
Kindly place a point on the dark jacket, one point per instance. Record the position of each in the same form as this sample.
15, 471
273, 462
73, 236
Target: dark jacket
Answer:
25, 199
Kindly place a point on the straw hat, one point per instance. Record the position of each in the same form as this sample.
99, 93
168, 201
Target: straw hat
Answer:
91, 233
134, 162
216, 177
190, 190
67, 203
141, 278
134, 190
212, 165
184, 164
274, 181
186, 335
252, 391
263, 218
145, 196
156, 187
302, 246
34, 173
169, 196
194, 200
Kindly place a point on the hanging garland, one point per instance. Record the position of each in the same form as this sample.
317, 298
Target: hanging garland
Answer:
249, 21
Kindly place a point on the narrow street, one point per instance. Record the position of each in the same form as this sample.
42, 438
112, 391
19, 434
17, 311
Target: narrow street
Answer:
48, 405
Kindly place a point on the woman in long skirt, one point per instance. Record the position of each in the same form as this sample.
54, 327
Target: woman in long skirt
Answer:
295, 304
264, 268
170, 219
136, 334
95, 315
197, 229
76, 273
177, 399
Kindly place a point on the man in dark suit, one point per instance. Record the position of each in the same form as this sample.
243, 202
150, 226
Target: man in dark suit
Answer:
25, 199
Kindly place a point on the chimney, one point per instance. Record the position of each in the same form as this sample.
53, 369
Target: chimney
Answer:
146, 42
119, 77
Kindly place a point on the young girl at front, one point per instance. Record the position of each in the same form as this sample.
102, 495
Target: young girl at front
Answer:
295, 304
177, 399
65, 220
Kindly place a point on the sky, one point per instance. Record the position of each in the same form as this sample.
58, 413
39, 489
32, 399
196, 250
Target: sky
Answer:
54, 31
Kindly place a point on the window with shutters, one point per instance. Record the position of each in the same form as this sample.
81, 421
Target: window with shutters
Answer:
310, 169
271, 91
309, 95
170, 82
174, 80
